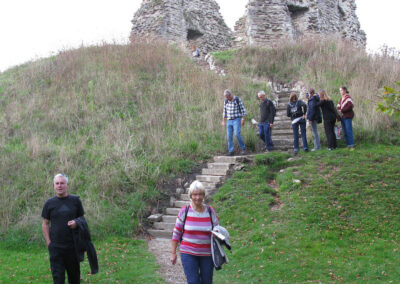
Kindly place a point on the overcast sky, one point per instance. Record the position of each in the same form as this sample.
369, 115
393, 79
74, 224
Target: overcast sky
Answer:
31, 29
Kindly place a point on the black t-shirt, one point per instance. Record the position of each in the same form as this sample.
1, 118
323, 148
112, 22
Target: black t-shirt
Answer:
59, 211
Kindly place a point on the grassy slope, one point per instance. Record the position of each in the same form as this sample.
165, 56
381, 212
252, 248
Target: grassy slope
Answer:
340, 224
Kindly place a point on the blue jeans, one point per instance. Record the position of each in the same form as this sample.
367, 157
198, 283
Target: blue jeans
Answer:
347, 127
317, 143
295, 127
198, 269
234, 126
264, 132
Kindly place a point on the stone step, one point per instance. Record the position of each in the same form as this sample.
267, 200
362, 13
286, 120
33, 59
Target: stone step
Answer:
214, 172
160, 234
219, 165
276, 132
208, 178
169, 218
228, 159
172, 211
185, 196
181, 203
164, 226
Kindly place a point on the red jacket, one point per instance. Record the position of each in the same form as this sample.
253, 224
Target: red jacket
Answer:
346, 105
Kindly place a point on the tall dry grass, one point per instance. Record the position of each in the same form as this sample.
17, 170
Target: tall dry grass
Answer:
117, 119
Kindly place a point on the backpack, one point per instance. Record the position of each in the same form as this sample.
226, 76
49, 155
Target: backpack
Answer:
296, 111
184, 220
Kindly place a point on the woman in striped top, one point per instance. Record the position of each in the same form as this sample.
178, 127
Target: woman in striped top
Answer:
194, 233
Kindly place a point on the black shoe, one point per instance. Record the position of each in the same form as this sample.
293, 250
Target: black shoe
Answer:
244, 152
230, 154
305, 150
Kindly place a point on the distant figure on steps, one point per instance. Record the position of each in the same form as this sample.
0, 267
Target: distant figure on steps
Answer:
195, 51
267, 116
329, 114
296, 110
314, 117
233, 117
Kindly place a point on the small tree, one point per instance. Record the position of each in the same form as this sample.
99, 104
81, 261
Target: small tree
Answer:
390, 103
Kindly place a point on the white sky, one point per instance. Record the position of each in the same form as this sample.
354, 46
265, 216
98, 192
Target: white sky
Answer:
30, 29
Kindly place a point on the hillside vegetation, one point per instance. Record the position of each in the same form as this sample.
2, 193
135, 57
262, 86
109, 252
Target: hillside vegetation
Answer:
338, 221
120, 120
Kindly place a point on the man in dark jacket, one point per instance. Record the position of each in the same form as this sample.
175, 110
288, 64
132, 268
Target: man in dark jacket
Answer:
267, 116
59, 214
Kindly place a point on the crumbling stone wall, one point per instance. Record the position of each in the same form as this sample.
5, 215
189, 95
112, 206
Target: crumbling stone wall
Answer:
192, 22
267, 21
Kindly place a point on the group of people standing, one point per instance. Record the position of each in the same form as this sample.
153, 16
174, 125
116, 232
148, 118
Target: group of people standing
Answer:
319, 107
300, 112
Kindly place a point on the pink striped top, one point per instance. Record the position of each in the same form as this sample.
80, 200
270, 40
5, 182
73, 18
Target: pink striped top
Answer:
197, 234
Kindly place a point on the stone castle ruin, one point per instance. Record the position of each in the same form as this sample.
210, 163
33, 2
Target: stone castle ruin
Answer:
192, 22
199, 22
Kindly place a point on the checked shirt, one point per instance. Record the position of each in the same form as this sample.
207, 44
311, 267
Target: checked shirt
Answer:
234, 109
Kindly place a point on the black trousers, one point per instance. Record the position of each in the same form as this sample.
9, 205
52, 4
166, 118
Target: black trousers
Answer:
62, 260
330, 133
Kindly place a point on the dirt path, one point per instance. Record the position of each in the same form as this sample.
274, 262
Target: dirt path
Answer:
172, 274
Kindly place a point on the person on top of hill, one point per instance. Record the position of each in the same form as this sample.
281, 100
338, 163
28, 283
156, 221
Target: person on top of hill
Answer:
345, 110
329, 114
267, 116
59, 214
296, 110
195, 51
233, 117
193, 230
314, 117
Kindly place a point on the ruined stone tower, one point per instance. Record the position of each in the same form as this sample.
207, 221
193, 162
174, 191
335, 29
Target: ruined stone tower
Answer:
267, 21
191, 22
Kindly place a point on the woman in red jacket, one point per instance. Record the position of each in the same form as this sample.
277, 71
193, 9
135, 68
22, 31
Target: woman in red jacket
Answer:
345, 109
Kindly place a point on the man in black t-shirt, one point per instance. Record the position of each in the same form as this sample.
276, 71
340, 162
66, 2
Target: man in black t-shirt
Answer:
58, 224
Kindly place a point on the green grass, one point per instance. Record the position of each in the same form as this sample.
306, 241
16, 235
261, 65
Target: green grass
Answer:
121, 260
340, 224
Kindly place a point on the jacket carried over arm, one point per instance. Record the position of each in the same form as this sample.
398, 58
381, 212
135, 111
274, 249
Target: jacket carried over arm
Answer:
83, 242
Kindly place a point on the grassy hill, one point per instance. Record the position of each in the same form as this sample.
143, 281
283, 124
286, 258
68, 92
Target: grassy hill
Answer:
120, 120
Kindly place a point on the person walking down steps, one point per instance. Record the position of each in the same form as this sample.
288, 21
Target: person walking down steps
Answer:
267, 116
233, 117
193, 231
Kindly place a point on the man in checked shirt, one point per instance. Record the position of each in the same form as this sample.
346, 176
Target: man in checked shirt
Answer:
233, 117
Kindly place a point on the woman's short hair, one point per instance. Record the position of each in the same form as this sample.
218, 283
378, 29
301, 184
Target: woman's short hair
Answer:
311, 91
293, 97
324, 96
196, 185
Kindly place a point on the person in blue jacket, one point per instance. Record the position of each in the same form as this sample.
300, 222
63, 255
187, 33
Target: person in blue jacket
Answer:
314, 117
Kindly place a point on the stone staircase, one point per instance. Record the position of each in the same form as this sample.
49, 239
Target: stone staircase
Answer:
211, 177
282, 134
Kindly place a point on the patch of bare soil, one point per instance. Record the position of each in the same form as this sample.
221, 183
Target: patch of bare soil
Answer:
172, 274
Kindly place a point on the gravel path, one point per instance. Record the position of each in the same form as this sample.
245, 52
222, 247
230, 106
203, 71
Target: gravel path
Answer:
172, 274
